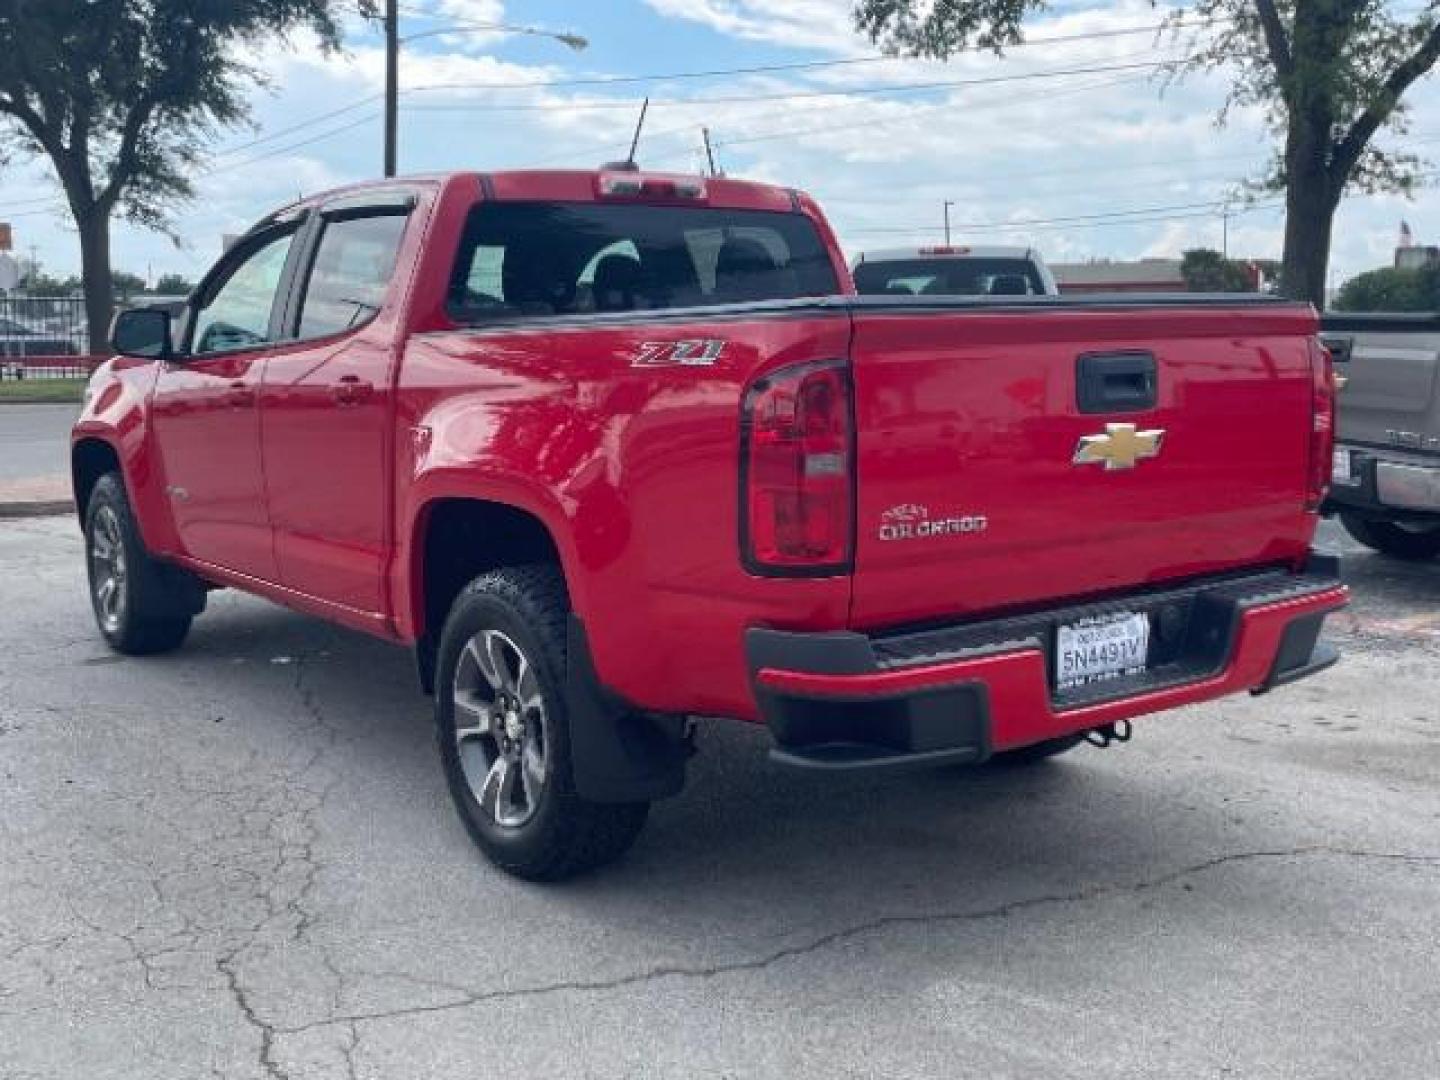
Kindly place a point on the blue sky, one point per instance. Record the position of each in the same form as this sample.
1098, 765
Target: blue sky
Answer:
1013, 155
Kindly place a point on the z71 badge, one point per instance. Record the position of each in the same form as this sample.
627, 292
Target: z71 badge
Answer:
699, 352
910, 521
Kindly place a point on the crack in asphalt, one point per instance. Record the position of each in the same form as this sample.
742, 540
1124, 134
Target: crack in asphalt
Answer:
301, 852
226, 966
844, 934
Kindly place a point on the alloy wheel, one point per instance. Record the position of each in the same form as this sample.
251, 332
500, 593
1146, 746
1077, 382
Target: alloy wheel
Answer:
500, 728
108, 571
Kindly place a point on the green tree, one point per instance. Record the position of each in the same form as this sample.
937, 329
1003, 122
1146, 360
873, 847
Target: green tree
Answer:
39, 283
126, 285
121, 96
1205, 270
1328, 74
173, 285
1391, 289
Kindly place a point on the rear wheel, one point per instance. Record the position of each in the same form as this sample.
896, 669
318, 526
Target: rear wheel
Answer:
1038, 752
504, 731
141, 605
1401, 540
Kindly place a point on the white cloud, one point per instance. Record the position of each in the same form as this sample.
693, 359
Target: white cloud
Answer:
808, 24
1013, 156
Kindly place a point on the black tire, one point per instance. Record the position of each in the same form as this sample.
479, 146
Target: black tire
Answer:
519, 613
1037, 752
149, 606
1397, 541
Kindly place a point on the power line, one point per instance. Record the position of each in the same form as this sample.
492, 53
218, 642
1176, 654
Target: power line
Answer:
794, 95
693, 128
770, 136
301, 126
233, 166
618, 80
758, 69
1109, 215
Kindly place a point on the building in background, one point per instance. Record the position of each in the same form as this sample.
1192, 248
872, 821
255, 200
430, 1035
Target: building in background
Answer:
1107, 275
1412, 256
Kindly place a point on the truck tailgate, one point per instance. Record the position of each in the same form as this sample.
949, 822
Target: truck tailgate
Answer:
1391, 370
974, 493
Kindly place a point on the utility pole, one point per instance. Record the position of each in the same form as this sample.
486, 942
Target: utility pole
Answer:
948, 203
392, 81
709, 151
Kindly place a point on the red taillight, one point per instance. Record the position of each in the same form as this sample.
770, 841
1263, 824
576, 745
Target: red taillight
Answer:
1322, 425
796, 490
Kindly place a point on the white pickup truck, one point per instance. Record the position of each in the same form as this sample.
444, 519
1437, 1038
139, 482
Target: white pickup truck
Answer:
948, 270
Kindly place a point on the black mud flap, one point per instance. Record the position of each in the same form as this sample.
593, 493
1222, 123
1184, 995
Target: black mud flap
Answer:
618, 753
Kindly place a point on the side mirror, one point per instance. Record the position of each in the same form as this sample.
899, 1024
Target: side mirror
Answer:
142, 333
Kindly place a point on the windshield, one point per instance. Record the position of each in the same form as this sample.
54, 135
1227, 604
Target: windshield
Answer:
531, 260
949, 277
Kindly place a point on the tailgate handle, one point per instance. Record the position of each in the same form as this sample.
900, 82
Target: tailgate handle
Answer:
1115, 382
1340, 347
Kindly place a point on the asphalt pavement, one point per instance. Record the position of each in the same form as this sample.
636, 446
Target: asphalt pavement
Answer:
239, 861
34, 440
34, 457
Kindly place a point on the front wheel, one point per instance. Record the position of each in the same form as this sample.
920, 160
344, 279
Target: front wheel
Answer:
140, 605
504, 731
1401, 540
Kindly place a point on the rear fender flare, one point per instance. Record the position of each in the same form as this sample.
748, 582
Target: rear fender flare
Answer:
433, 487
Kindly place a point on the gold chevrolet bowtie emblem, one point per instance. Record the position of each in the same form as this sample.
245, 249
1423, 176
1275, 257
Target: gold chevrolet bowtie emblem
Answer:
1119, 448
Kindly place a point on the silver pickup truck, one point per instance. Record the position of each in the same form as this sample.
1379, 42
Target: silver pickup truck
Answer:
1386, 487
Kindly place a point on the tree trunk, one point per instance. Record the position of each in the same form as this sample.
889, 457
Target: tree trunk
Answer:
1310, 201
94, 227
1309, 216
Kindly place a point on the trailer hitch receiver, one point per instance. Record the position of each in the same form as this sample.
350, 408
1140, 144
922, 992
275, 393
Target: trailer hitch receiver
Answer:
1107, 736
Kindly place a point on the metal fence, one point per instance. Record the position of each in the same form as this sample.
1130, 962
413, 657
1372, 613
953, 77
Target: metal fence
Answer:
46, 337
45, 326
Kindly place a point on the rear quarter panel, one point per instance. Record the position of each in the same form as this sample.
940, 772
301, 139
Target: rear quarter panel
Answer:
635, 470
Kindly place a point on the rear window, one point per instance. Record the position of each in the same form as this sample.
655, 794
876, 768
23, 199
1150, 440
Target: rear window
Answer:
532, 260
949, 277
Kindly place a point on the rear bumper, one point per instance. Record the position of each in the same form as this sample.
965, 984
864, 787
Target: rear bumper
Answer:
1388, 485
961, 693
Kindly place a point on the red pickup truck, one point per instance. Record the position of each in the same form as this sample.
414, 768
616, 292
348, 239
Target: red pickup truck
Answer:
615, 450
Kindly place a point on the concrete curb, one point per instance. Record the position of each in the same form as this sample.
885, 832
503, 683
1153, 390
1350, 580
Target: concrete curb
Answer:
37, 508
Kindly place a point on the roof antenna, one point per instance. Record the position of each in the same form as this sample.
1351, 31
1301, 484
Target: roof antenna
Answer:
639, 127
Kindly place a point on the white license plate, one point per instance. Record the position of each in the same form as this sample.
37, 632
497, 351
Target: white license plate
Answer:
1105, 647
1341, 472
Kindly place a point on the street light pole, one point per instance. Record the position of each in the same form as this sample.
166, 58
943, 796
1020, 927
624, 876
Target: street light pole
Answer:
948, 203
392, 83
393, 41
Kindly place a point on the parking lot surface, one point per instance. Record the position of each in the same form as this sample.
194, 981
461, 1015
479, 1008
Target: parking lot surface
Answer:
239, 861
35, 440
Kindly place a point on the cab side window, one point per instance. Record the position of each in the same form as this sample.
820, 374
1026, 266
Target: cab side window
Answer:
237, 314
353, 265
